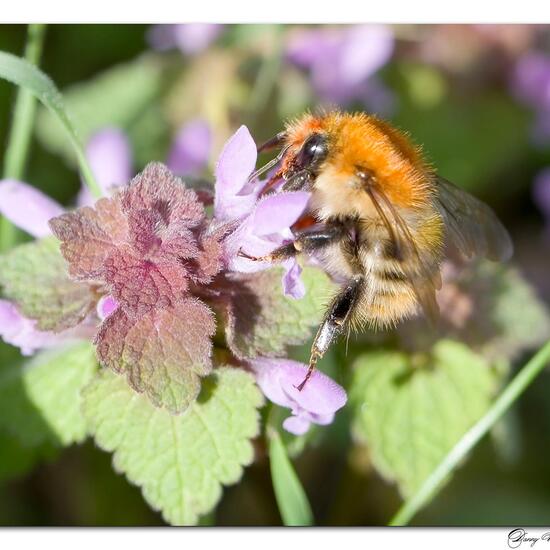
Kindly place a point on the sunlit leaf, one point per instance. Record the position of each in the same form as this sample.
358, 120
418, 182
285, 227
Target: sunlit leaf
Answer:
180, 462
261, 321
40, 400
34, 276
411, 410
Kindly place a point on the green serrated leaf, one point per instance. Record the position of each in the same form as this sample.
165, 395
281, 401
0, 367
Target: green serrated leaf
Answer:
24, 74
180, 462
291, 497
40, 401
411, 410
34, 276
124, 96
263, 322
522, 320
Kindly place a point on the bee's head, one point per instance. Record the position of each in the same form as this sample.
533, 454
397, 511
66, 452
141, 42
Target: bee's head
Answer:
308, 156
305, 148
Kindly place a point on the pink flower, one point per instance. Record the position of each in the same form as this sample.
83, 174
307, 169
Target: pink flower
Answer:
110, 156
30, 210
315, 404
530, 83
343, 62
17, 330
189, 38
191, 148
261, 225
27, 208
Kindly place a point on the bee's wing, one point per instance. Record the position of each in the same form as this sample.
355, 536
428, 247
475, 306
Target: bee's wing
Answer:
424, 277
471, 226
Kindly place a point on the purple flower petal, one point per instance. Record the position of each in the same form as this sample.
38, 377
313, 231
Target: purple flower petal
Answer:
296, 425
235, 164
365, 50
110, 156
27, 207
191, 148
306, 48
21, 332
106, 306
342, 60
277, 212
531, 79
190, 38
317, 402
292, 283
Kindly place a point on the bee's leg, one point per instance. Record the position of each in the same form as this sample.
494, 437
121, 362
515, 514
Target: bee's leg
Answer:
308, 241
334, 323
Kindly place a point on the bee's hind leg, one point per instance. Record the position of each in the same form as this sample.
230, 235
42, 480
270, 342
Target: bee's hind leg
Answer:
335, 321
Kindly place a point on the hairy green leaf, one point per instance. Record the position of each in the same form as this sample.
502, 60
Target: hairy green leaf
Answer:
411, 410
34, 276
40, 402
123, 96
261, 321
180, 462
520, 318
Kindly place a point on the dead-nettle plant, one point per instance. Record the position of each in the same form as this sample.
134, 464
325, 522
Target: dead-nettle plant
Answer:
182, 323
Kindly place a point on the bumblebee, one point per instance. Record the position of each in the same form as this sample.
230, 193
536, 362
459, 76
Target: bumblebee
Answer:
380, 220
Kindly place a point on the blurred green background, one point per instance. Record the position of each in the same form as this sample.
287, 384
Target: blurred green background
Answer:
459, 91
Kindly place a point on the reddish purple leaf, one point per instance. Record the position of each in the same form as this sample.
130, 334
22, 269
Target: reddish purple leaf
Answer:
163, 352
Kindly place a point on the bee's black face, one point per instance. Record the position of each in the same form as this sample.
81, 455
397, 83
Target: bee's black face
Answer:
312, 154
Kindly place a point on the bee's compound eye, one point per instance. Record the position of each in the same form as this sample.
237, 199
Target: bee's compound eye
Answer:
313, 152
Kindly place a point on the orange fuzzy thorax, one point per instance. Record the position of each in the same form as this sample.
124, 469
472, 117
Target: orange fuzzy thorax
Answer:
363, 141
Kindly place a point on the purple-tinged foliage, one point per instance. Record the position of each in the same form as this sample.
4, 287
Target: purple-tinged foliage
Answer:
147, 245
150, 268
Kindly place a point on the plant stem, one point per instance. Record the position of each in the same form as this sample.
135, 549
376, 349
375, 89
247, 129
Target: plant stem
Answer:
506, 399
21, 129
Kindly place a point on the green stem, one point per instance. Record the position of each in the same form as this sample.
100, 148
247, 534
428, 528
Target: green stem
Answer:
506, 399
20, 133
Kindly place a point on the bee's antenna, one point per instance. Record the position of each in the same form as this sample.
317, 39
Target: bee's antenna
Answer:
275, 141
269, 165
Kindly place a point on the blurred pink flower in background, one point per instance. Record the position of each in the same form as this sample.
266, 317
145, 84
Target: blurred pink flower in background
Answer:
189, 38
343, 62
530, 84
110, 155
